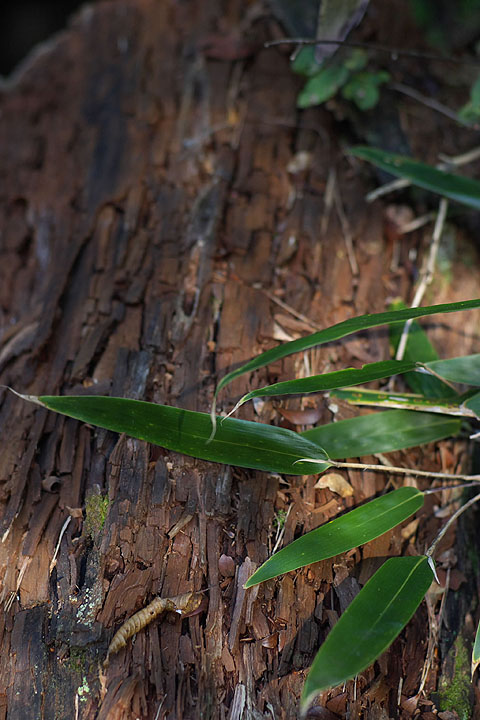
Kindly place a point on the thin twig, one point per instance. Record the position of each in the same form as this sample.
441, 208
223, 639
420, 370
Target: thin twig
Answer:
450, 522
289, 308
389, 187
393, 52
399, 470
346, 230
328, 198
426, 274
431, 491
416, 224
447, 164
429, 102
463, 159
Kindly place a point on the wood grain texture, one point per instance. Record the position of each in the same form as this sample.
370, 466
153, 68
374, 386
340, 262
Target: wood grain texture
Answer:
145, 201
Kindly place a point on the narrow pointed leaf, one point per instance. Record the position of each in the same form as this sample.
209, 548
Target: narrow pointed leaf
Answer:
370, 624
381, 432
237, 442
459, 370
341, 330
407, 401
418, 348
473, 404
454, 187
344, 533
336, 379
476, 651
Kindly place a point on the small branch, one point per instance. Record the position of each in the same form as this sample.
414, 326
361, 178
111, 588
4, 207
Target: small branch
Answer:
446, 164
426, 274
431, 491
389, 187
450, 522
429, 102
393, 52
400, 470
346, 230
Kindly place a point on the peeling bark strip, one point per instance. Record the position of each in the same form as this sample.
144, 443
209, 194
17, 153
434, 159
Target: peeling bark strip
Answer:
150, 225
185, 604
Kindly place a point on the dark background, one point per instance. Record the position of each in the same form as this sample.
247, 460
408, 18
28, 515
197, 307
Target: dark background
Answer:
25, 24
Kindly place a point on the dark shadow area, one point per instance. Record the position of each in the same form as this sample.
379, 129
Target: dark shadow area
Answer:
26, 23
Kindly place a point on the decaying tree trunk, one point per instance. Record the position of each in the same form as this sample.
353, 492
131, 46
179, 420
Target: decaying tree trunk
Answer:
153, 223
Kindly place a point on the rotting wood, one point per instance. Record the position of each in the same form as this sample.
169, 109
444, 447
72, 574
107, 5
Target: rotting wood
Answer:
130, 263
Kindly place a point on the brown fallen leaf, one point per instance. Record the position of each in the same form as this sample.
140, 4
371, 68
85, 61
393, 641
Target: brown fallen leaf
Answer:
336, 483
307, 416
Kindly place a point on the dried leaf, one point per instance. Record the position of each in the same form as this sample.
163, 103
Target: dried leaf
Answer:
307, 416
336, 483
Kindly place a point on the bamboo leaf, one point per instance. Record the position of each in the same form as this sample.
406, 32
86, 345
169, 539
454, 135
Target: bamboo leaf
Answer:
341, 330
455, 187
329, 381
344, 533
237, 442
370, 624
418, 348
407, 401
381, 432
464, 370
460, 370
473, 404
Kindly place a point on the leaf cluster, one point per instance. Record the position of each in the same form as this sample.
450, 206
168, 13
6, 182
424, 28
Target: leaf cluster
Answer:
349, 76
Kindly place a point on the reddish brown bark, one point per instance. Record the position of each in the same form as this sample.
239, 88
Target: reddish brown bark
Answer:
149, 222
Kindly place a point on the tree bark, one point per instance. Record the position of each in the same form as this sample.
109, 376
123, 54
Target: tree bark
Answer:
151, 226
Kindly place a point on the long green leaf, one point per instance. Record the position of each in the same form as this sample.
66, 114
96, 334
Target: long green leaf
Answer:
370, 624
381, 432
329, 381
344, 533
455, 187
341, 330
418, 348
407, 401
237, 442
459, 370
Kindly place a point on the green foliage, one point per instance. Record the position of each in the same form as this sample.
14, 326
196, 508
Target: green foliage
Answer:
420, 348
454, 187
476, 652
466, 404
357, 527
470, 113
364, 88
237, 442
370, 624
381, 432
339, 331
389, 599
322, 86
349, 75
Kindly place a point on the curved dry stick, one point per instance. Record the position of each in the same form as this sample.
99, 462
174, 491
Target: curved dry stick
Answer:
183, 604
